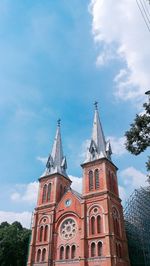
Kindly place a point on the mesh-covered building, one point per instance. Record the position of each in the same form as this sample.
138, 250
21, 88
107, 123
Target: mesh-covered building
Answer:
137, 223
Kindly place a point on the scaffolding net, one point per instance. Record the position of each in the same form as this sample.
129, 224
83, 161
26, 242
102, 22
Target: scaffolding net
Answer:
137, 224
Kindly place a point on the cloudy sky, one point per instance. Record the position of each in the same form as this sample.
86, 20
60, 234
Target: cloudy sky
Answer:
56, 59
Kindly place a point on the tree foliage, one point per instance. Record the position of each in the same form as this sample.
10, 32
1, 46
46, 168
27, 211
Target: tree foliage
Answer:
14, 242
138, 136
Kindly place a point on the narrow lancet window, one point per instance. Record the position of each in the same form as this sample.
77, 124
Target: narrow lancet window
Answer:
67, 252
41, 234
96, 179
73, 252
116, 222
46, 233
62, 253
90, 180
44, 254
39, 255
93, 225
98, 224
49, 192
44, 193
99, 247
93, 250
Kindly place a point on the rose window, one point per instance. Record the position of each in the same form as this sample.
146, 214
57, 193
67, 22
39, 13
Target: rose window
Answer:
68, 229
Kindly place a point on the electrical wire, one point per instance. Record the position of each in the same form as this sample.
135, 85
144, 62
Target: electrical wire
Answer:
148, 26
146, 7
145, 11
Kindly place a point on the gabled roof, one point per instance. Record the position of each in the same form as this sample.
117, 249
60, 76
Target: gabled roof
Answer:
77, 194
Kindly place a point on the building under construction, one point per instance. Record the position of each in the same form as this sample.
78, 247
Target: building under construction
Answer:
137, 223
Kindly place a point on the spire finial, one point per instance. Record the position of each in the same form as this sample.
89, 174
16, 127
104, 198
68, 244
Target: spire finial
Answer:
58, 122
96, 105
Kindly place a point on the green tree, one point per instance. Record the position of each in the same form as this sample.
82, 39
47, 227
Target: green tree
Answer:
138, 136
14, 241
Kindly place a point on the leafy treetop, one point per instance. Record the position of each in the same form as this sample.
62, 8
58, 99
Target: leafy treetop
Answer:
138, 136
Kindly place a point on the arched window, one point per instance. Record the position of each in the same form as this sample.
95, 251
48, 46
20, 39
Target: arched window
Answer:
90, 180
99, 249
98, 224
44, 193
93, 250
67, 252
44, 254
61, 253
46, 233
93, 225
96, 179
49, 192
119, 251
73, 252
39, 255
41, 234
116, 222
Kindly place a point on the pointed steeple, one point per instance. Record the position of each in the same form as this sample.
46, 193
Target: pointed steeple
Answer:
56, 162
99, 148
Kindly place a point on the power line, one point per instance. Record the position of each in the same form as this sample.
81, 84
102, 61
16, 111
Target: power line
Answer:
145, 11
146, 6
148, 27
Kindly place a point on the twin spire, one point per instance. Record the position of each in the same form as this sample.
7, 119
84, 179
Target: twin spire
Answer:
56, 162
98, 149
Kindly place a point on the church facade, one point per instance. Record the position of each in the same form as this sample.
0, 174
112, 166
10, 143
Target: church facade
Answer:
81, 229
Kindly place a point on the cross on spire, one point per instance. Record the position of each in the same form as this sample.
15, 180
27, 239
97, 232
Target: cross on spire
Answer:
58, 122
96, 105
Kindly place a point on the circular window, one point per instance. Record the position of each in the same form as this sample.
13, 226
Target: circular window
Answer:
68, 229
68, 202
95, 210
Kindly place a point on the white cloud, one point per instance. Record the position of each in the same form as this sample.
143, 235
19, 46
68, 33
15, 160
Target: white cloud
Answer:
15, 196
43, 160
122, 194
131, 179
84, 147
27, 193
76, 183
23, 217
121, 25
105, 56
118, 145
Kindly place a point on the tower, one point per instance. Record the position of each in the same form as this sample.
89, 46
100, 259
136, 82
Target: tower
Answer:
52, 185
84, 229
106, 240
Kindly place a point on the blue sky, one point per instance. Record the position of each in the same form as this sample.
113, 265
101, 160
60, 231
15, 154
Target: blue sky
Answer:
56, 59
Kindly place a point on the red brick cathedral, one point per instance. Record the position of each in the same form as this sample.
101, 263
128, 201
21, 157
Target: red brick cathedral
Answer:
79, 229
